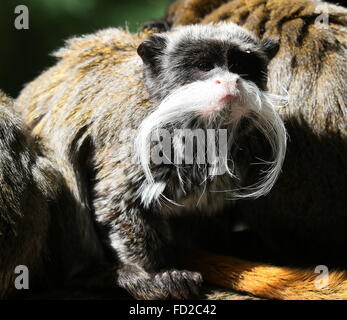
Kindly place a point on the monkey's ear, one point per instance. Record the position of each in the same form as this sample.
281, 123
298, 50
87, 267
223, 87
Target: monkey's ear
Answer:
270, 46
151, 48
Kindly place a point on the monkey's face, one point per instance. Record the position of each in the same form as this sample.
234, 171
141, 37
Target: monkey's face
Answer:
211, 77
205, 52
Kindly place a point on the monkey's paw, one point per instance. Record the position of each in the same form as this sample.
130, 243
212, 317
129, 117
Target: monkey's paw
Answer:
166, 285
179, 284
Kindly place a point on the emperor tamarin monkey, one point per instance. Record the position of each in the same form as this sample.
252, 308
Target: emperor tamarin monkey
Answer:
196, 77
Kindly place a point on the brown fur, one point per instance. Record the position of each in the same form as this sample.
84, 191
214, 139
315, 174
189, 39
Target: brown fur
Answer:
64, 115
79, 110
27, 183
266, 281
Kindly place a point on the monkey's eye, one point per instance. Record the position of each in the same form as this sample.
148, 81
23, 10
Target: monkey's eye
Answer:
205, 66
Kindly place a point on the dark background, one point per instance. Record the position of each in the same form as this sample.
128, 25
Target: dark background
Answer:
24, 54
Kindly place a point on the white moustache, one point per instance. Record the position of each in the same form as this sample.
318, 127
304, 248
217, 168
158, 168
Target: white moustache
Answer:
187, 103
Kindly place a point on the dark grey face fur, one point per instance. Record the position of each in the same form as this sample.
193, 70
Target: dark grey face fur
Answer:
195, 54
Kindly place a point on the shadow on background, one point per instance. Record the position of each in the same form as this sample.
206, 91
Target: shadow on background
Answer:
24, 54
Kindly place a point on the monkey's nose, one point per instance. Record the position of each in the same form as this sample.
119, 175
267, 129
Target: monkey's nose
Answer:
235, 82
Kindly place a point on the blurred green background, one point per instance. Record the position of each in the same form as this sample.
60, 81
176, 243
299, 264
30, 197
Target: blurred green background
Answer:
24, 54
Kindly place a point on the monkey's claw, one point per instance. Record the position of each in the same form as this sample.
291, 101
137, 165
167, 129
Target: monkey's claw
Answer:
165, 285
179, 284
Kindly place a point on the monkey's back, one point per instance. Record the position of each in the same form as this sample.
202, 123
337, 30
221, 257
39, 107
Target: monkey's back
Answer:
80, 112
95, 90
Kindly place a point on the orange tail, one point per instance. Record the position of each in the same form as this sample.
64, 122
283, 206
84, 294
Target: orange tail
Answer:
265, 280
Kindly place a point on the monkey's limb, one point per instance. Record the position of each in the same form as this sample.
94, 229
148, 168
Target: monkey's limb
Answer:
26, 185
144, 269
266, 281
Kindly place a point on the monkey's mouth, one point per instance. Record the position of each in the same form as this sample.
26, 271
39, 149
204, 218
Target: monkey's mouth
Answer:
229, 105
